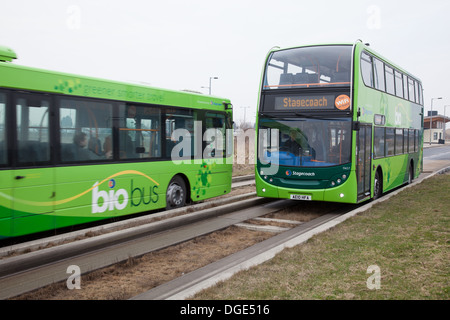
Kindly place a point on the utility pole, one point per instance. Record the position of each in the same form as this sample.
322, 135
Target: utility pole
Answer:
431, 117
245, 113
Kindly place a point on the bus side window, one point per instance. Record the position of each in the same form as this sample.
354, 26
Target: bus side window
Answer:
398, 141
416, 149
411, 140
390, 142
379, 75
366, 69
379, 143
411, 90
85, 130
139, 132
420, 94
398, 84
390, 82
405, 87
216, 144
405, 141
184, 122
33, 135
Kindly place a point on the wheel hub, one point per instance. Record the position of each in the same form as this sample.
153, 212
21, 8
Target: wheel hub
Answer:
175, 195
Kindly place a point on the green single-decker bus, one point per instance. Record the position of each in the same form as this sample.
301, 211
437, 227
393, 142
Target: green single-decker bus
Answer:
75, 149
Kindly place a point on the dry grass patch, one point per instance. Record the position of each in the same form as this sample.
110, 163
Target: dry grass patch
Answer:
137, 275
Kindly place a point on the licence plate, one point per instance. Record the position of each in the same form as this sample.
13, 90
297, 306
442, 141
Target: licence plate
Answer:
300, 197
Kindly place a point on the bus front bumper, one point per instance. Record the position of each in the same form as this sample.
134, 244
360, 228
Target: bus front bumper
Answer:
343, 193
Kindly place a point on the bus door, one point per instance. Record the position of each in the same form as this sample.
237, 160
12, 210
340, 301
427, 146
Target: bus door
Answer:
6, 187
364, 157
33, 177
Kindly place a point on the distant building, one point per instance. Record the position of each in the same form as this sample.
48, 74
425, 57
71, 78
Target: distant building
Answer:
437, 130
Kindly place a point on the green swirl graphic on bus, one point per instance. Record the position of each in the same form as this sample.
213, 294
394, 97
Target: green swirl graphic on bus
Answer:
103, 200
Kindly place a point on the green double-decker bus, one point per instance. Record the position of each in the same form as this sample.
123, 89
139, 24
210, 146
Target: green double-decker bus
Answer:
75, 149
338, 123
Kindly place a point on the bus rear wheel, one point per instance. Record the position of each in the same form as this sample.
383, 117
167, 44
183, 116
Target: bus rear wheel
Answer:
411, 174
176, 193
377, 185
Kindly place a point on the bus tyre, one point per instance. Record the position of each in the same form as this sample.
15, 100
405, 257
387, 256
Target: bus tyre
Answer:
176, 193
411, 174
377, 185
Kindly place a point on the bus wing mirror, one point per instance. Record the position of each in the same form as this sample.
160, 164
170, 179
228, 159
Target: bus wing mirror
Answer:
356, 125
228, 106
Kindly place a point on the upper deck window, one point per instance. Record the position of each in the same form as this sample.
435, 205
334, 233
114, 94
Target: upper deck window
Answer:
309, 67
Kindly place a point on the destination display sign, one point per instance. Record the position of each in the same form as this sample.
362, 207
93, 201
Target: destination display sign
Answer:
312, 102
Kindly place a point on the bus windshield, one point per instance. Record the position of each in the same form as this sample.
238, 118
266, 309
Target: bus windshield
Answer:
309, 67
306, 142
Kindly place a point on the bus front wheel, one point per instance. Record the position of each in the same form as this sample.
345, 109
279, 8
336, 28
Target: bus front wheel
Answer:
176, 193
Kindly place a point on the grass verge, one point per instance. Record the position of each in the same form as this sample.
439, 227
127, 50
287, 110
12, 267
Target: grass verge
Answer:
406, 238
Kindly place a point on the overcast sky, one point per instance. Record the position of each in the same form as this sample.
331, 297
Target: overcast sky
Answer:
181, 44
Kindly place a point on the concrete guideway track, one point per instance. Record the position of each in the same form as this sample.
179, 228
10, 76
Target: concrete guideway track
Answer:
192, 283
30, 271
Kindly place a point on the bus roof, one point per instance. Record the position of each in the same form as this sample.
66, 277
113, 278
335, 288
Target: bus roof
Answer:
28, 78
274, 49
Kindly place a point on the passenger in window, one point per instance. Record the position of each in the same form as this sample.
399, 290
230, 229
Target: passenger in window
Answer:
126, 146
81, 152
95, 146
291, 145
107, 147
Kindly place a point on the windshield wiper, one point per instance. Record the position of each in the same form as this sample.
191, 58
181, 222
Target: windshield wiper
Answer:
307, 116
268, 115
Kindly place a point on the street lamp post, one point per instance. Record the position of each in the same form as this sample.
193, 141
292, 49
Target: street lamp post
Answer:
210, 79
245, 114
431, 117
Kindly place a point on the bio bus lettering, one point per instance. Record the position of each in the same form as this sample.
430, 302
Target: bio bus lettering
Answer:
118, 199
